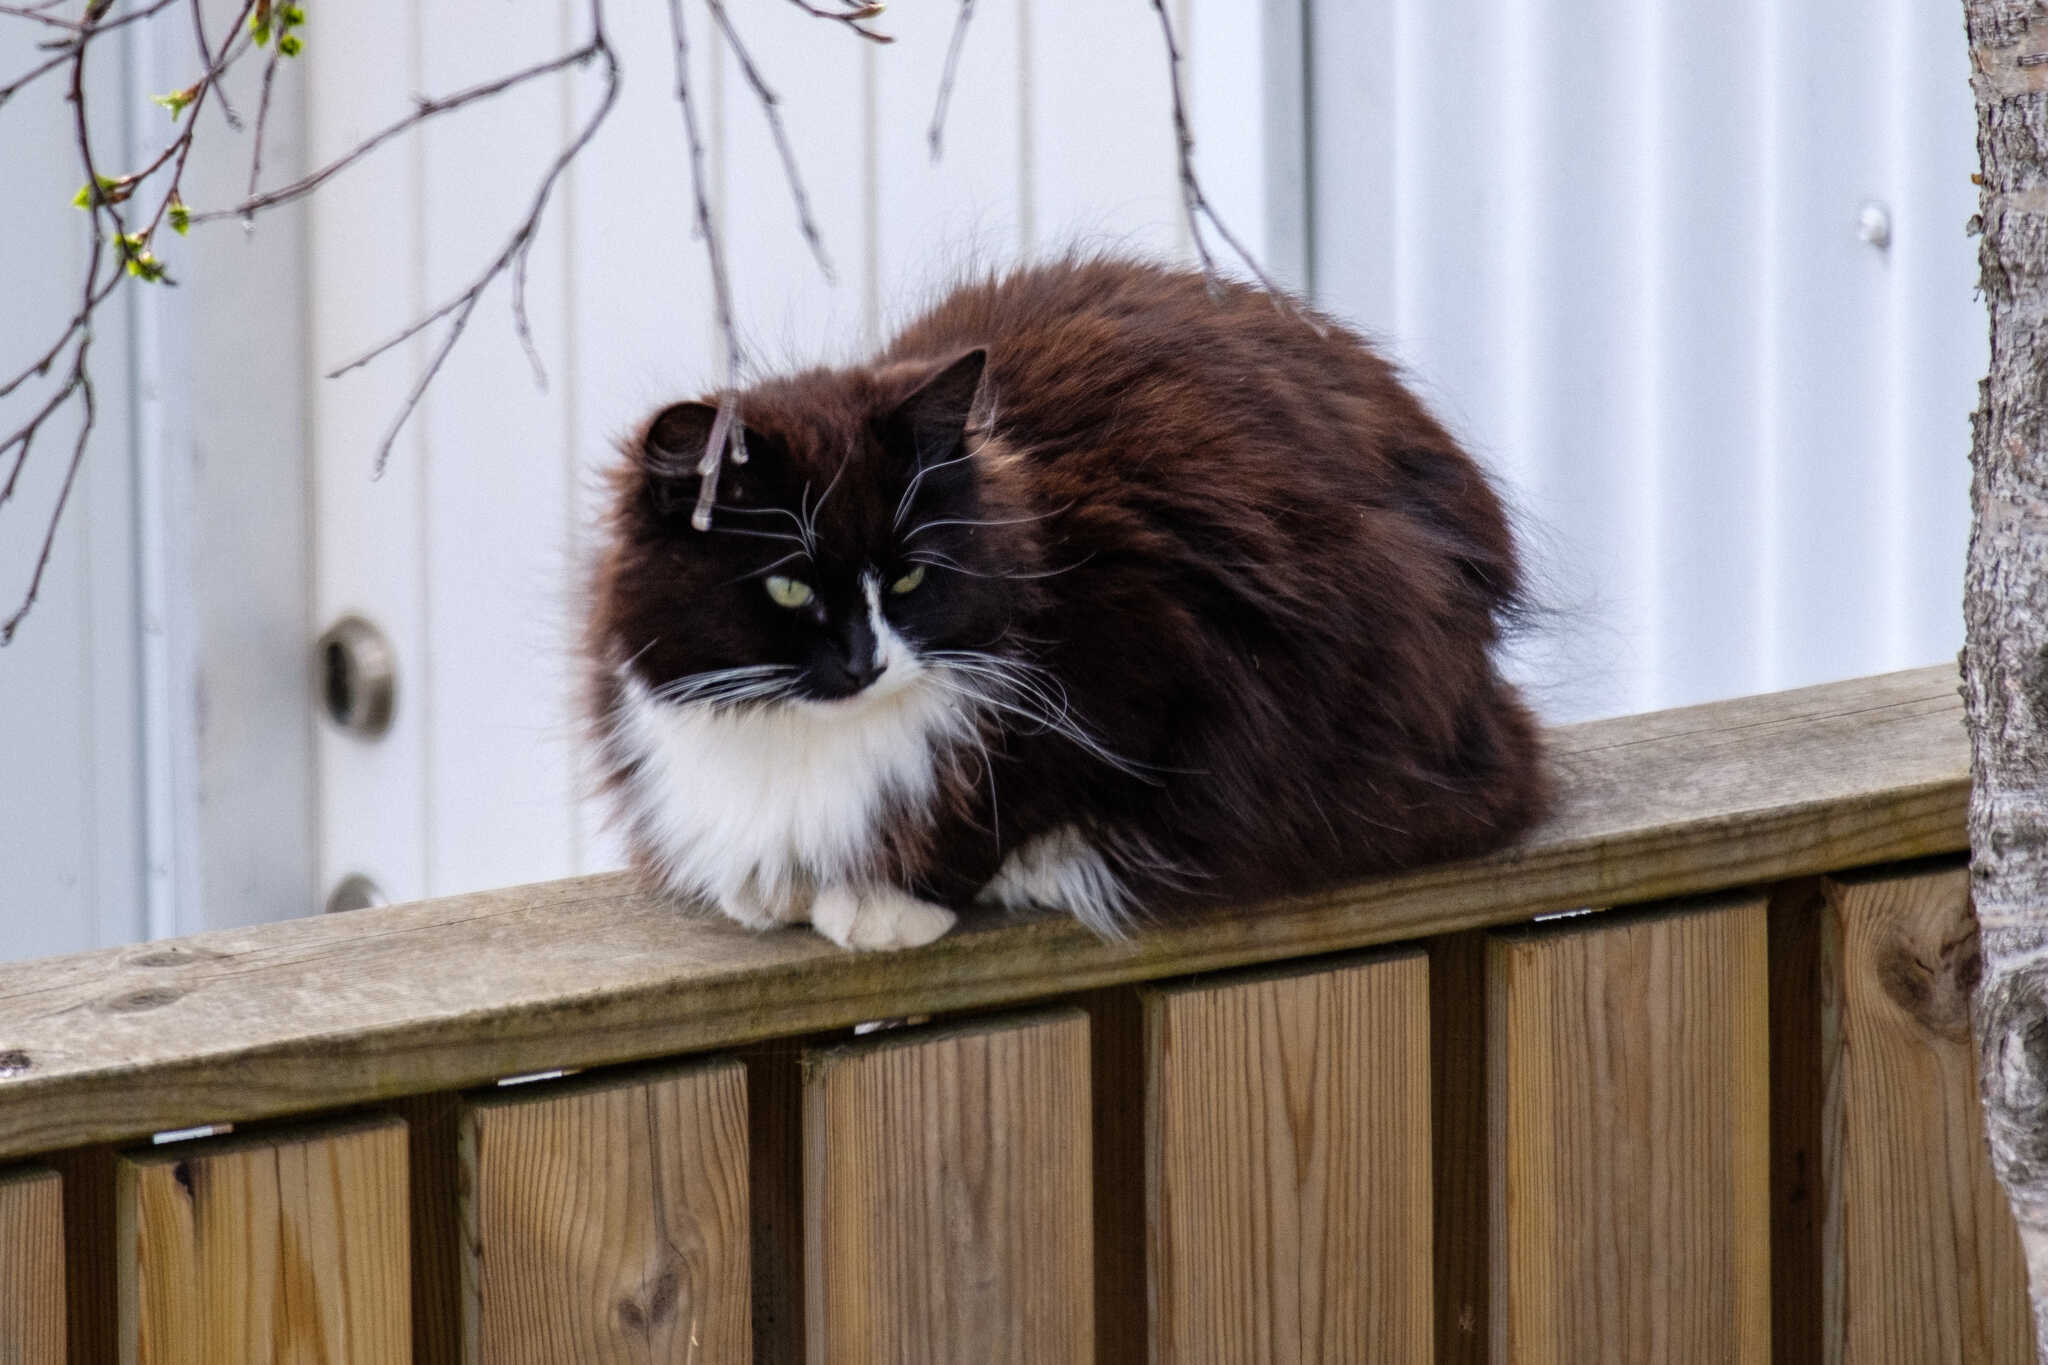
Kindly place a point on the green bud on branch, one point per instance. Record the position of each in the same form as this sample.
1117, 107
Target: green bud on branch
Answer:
177, 100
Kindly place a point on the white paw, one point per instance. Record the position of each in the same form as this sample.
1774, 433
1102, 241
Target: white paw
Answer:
759, 904
1061, 870
878, 918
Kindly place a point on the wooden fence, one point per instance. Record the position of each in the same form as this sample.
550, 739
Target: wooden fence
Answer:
1729, 1117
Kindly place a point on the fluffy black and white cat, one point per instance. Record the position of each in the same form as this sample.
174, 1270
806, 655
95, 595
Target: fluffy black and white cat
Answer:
1097, 589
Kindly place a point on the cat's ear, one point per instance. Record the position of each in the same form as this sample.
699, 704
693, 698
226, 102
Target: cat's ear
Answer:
669, 450
936, 414
673, 443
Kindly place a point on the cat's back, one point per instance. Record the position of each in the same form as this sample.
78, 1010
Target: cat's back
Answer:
1092, 347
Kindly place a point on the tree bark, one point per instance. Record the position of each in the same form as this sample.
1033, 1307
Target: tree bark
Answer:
2005, 655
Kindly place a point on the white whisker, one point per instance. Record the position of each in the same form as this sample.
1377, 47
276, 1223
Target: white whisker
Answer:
909, 492
924, 526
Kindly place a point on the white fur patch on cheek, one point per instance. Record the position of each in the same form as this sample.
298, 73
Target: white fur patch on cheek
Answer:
1061, 870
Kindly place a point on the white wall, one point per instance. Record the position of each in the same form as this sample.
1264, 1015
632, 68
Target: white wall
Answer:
1617, 241
155, 736
1614, 241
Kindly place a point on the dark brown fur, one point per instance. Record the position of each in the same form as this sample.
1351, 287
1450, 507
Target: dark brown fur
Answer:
1262, 572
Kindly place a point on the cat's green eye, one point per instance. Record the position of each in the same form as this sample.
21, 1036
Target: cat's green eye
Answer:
909, 581
789, 592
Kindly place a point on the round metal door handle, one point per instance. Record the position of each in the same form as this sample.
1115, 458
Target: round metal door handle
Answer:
355, 892
358, 675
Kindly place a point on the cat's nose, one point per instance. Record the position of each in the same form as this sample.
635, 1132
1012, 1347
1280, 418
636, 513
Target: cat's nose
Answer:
857, 661
846, 676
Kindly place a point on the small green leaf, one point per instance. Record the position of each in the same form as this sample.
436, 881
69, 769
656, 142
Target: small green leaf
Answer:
176, 101
289, 44
114, 189
291, 16
181, 219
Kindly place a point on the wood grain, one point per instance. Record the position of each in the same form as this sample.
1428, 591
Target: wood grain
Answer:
607, 1220
438, 995
31, 1267
1629, 1095
947, 1192
287, 1248
1927, 1267
1289, 1183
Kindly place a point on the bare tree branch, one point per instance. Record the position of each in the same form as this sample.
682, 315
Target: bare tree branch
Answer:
262, 120
462, 306
227, 110
80, 380
936, 132
1194, 203
423, 109
82, 32
770, 107
725, 430
851, 16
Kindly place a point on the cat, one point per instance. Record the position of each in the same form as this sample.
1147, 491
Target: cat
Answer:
1102, 588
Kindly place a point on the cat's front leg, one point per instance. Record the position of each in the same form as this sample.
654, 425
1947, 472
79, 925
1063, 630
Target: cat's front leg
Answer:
878, 917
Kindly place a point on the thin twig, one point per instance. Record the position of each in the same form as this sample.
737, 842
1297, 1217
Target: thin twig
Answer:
459, 308
937, 131
227, 110
65, 50
851, 16
423, 109
725, 429
263, 117
80, 379
771, 107
1194, 203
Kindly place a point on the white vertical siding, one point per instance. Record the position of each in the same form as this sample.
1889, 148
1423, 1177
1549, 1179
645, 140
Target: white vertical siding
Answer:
1617, 243
468, 552
71, 807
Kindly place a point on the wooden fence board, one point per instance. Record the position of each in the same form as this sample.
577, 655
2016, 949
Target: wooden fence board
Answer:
1289, 1143
1930, 1268
947, 1191
276, 1248
31, 1267
607, 1220
1629, 1105
589, 971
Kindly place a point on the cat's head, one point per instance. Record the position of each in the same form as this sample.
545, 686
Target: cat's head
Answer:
861, 541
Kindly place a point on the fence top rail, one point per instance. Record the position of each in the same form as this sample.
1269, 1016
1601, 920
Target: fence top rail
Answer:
327, 1011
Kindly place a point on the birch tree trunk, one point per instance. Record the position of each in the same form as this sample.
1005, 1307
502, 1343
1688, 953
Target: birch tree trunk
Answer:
2005, 608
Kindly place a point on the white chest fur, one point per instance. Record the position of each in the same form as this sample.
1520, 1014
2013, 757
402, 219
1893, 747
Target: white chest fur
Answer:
756, 806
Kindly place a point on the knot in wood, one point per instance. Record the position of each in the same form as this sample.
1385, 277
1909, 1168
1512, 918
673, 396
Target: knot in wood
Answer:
2012, 1027
1933, 989
173, 955
14, 1062
148, 998
656, 1304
